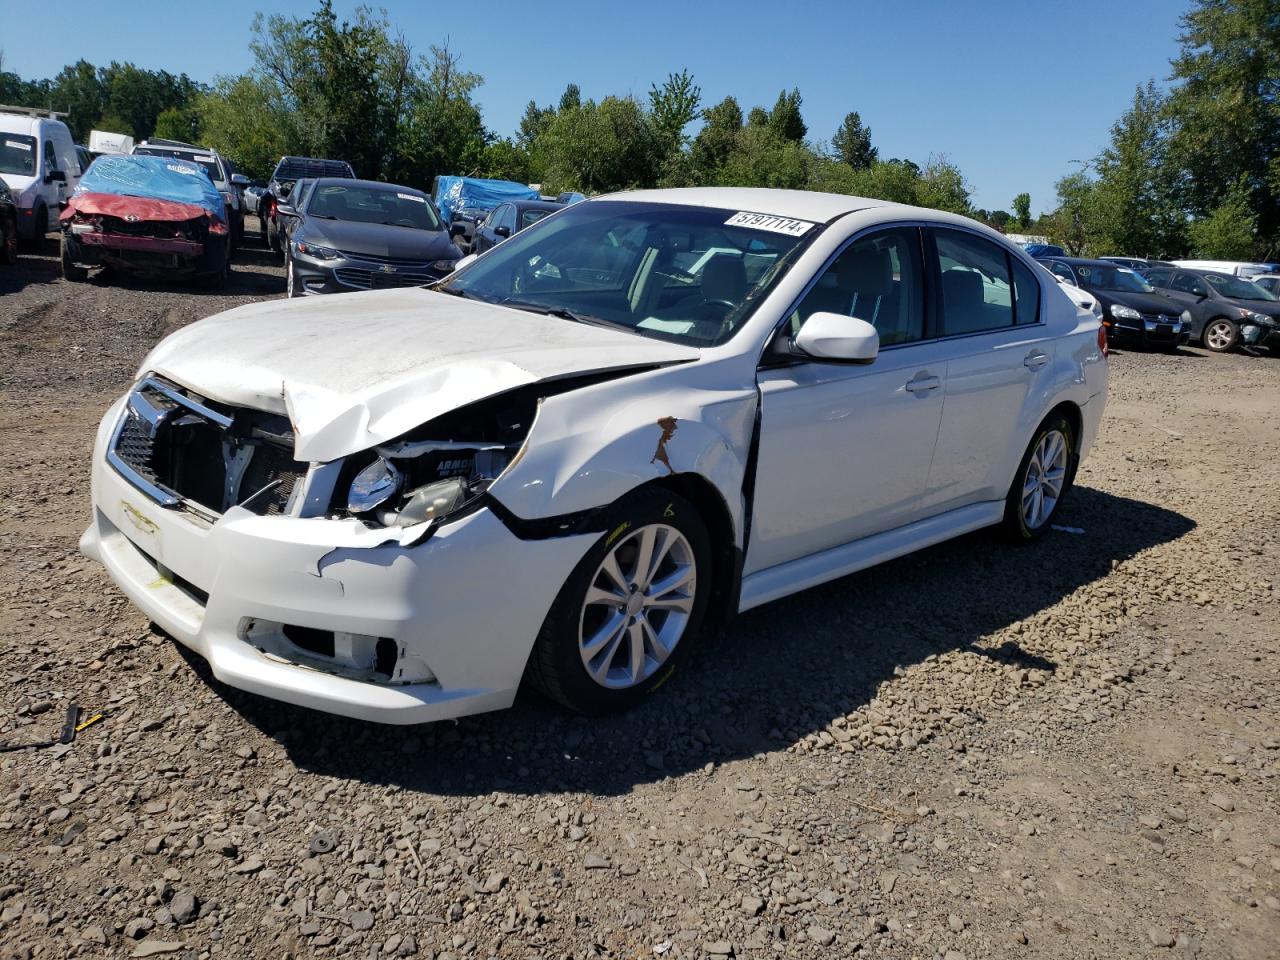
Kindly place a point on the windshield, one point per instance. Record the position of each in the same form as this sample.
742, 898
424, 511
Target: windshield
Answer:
206, 162
391, 207
1237, 288
1120, 279
17, 155
688, 274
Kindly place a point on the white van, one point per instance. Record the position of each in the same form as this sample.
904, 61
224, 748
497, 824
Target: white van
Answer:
39, 164
1236, 268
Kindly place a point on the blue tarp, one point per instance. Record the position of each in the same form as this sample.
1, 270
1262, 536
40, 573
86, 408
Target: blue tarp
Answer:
159, 178
455, 192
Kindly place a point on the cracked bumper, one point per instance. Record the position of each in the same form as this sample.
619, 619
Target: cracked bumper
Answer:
468, 602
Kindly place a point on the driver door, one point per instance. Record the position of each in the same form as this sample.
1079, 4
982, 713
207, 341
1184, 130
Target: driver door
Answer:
845, 450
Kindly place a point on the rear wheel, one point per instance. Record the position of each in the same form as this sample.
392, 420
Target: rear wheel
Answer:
40, 217
630, 611
1044, 476
1221, 335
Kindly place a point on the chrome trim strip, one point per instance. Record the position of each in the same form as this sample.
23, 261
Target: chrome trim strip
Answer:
161, 387
166, 498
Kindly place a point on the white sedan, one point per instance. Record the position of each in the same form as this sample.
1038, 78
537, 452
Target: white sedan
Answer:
642, 415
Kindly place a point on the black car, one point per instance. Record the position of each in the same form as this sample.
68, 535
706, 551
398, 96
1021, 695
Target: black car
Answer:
363, 235
286, 174
1132, 311
1225, 311
510, 218
8, 225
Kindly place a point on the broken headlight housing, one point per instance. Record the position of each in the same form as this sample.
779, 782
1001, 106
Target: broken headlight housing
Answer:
442, 467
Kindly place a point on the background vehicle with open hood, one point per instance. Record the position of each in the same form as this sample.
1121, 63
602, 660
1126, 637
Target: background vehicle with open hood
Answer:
150, 215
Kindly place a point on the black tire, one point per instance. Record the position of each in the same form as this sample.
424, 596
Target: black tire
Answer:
556, 667
273, 235
1015, 526
8, 244
70, 271
1230, 335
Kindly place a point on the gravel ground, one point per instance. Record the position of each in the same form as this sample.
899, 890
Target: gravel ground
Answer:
1068, 750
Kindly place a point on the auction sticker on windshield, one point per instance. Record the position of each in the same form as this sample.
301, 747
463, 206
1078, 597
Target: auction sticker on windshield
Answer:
763, 221
18, 144
410, 196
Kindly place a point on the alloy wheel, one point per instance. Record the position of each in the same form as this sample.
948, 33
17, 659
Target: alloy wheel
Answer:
1219, 335
1046, 475
637, 606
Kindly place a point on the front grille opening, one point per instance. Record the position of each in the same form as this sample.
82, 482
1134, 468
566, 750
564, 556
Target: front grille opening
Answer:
319, 642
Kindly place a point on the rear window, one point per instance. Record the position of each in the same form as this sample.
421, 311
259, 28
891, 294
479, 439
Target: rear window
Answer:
205, 161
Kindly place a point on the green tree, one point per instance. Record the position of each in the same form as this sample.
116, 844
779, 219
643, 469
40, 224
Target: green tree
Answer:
571, 99
714, 142
504, 159
852, 143
139, 96
762, 158
178, 123
444, 132
242, 117
1073, 222
673, 106
596, 148
1136, 209
1226, 111
943, 187
785, 119
1021, 211
1229, 230
79, 91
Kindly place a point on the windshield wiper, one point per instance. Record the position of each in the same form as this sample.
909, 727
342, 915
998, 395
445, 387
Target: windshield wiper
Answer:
564, 313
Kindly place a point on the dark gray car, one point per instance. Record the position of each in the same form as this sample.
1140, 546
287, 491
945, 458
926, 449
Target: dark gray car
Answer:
1225, 311
362, 235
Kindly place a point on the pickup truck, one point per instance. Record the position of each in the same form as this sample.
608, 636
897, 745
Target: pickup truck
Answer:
287, 173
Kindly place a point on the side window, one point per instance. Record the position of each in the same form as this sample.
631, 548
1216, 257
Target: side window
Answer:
508, 218
1026, 294
976, 292
1158, 278
1059, 269
877, 279
1186, 283
50, 157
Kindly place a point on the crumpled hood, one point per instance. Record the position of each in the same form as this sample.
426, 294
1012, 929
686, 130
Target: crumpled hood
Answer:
378, 240
357, 369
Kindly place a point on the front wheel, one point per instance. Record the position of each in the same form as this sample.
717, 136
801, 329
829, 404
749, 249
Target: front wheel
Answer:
1221, 335
1043, 479
70, 271
630, 611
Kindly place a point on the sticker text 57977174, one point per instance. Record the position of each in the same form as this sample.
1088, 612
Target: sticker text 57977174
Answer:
763, 221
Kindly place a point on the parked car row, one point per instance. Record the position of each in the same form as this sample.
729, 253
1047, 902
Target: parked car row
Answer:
1166, 304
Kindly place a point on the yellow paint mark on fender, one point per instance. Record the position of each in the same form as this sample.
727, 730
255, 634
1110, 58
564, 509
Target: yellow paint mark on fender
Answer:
618, 531
136, 517
670, 511
665, 678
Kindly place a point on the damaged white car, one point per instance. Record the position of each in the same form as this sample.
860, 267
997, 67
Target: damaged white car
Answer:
644, 414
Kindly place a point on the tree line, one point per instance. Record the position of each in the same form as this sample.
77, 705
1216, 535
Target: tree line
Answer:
1191, 170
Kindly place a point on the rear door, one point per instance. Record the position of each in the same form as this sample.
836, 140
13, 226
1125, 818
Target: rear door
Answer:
1191, 293
845, 450
997, 348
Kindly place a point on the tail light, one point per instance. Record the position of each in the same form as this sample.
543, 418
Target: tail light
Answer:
218, 228
1102, 340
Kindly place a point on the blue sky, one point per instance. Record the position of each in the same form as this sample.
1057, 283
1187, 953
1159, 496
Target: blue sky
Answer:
1012, 92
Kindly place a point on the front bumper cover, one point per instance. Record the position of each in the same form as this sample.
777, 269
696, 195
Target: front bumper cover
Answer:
467, 603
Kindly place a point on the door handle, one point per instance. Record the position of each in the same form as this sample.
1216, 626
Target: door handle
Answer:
922, 384
1035, 360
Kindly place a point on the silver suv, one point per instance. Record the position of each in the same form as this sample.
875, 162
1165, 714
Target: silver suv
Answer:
220, 171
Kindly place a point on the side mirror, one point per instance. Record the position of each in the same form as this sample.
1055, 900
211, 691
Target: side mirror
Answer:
240, 180
286, 210
502, 231
836, 338
55, 176
457, 230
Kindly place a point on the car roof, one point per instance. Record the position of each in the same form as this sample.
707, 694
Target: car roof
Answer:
349, 182
1083, 261
797, 204
537, 204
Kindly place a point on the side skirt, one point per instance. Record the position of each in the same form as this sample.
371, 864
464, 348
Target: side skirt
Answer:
793, 576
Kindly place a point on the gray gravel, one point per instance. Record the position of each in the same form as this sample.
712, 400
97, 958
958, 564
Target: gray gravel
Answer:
1068, 750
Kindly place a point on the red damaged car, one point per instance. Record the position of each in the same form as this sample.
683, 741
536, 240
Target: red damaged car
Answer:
146, 215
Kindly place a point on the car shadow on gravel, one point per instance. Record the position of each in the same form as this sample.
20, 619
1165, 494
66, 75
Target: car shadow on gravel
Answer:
27, 270
780, 672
